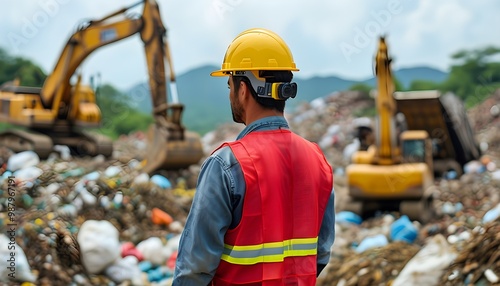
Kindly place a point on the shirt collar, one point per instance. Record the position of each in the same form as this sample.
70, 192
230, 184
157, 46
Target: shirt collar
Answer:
266, 123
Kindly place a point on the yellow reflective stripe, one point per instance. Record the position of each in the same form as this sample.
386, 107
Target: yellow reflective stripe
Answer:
269, 252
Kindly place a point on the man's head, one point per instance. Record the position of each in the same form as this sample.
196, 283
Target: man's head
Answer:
259, 62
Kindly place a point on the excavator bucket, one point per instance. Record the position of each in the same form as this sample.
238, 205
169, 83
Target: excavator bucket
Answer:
171, 154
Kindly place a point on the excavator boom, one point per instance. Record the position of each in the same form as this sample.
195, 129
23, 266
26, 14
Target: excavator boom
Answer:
386, 107
59, 110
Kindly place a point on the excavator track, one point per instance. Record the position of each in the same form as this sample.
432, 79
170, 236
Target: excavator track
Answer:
80, 143
20, 140
94, 144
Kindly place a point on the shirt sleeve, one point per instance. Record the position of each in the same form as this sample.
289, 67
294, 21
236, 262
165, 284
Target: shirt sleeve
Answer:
202, 241
327, 232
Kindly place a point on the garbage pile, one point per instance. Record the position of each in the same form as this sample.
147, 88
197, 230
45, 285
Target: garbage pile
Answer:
101, 221
458, 247
90, 221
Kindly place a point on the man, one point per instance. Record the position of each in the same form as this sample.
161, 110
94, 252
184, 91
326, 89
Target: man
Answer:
263, 213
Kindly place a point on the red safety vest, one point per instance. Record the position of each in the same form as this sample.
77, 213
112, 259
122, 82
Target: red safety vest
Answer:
288, 184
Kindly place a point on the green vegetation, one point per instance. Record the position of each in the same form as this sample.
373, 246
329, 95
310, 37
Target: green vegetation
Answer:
15, 67
118, 117
423, 85
474, 75
363, 87
366, 112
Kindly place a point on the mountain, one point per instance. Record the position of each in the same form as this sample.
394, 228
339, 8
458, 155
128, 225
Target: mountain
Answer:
407, 75
206, 98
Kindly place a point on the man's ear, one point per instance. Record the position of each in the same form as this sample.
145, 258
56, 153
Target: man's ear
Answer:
244, 89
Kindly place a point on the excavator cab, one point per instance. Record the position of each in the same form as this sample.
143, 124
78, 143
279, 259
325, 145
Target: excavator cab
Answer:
416, 146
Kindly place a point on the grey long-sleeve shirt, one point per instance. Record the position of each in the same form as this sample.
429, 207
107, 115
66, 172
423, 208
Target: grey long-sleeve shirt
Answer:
217, 207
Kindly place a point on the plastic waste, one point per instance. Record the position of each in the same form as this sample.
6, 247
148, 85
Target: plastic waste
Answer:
143, 178
145, 266
495, 175
451, 175
5, 176
159, 274
68, 210
474, 167
99, 245
426, 267
160, 217
128, 249
176, 227
351, 148
118, 199
152, 249
125, 269
155, 275
52, 188
92, 176
161, 181
491, 166
27, 200
492, 214
347, 217
22, 160
339, 172
369, 242
18, 264
28, 174
134, 164
173, 243
104, 202
491, 276
73, 173
403, 230
87, 197
171, 260
64, 151
112, 171
79, 279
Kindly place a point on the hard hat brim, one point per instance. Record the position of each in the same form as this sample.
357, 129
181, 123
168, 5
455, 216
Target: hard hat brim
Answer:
226, 72
219, 73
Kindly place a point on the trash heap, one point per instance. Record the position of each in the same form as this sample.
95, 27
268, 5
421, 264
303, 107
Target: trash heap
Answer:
101, 221
458, 247
91, 221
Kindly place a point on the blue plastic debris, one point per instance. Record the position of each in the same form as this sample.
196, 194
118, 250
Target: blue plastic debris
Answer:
161, 181
403, 230
492, 214
347, 217
145, 266
369, 242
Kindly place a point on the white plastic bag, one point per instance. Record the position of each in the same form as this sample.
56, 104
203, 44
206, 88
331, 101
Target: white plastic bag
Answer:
426, 267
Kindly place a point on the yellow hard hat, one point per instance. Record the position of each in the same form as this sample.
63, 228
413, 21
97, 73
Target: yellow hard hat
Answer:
257, 49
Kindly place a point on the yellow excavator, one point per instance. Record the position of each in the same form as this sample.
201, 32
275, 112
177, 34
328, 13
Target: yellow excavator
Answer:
59, 112
395, 172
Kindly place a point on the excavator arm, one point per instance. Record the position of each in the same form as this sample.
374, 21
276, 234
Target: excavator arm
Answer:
60, 108
386, 107
89, 37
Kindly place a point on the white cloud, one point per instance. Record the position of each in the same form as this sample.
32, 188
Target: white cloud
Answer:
424, 32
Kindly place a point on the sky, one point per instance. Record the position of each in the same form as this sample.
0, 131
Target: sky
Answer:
326, 37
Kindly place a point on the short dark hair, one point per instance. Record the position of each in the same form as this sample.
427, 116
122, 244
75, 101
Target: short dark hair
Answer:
271, 76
